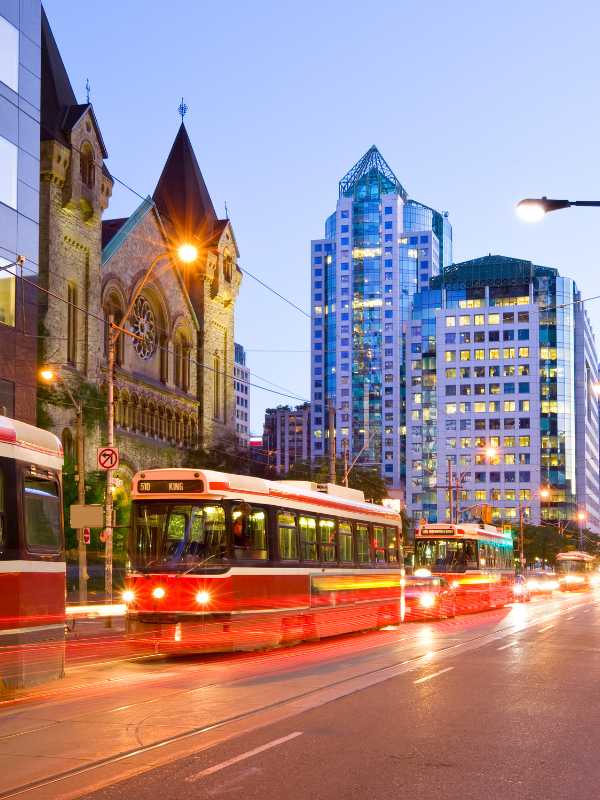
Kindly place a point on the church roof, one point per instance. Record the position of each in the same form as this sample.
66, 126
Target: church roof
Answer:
181, 195
372, 167
60, 110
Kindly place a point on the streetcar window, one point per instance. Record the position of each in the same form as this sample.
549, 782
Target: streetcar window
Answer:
362, 544
327, 539
42, 514
178, 533
249, 532
345, 541
287, 536
378, 544
446, 555
308, 538
3, 531
391, 538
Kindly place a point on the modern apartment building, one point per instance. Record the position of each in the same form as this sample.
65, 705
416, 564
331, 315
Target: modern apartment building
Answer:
379, 248
20, 72
501, 374
286, 436
241, 375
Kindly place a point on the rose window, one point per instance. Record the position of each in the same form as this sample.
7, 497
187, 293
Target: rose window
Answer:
144, 327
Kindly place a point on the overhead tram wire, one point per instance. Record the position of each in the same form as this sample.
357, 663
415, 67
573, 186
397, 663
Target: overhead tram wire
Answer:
165, 216
163, 348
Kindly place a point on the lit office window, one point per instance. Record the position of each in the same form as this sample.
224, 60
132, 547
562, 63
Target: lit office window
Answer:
7, 295
9, 54
8, 173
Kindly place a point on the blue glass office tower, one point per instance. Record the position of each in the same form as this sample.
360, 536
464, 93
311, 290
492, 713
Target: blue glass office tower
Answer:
502, 360
379, 248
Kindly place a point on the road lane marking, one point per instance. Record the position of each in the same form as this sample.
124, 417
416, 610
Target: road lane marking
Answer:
433, 675
242, 757
510, 644
545, 628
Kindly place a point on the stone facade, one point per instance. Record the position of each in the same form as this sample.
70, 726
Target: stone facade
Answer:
174, 386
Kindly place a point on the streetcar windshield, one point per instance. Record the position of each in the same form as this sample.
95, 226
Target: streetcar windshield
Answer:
572, 565
194, 535
446, 555
42, 514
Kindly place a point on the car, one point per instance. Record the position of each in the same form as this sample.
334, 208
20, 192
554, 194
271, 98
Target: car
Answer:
542, 582
428, 597
521, 593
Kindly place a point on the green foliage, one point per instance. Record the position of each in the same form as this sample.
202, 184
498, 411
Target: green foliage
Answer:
367, 479
92, 398
545, 541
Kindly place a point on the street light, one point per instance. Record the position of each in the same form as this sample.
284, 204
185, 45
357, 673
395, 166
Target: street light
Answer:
581, 518
186, 253
50, 375
533, 209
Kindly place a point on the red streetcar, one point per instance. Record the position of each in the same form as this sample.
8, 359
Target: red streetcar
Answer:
32, 563
577, 571
224, 562
476, 560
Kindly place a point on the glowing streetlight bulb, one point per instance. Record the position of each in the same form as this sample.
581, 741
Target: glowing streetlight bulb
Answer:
47, 374
187, 253
581, 515
531, 210
491, 452
544, 493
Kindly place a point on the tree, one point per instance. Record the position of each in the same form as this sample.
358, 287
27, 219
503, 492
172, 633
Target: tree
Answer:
227, 455
366, 479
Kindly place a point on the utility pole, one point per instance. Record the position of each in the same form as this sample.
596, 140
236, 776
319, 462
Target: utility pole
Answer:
521, 535
450, 491
108, 500
346, 470
331, 425
81, 549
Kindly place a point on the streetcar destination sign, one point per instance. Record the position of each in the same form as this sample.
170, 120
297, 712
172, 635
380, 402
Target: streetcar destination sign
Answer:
166, 487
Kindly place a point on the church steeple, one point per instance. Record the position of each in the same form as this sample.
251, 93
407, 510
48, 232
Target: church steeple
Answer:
57, 95
181, 195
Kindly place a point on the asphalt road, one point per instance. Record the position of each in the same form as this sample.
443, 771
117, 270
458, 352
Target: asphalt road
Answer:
495, 705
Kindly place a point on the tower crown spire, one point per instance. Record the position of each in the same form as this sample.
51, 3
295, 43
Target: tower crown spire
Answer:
371, 166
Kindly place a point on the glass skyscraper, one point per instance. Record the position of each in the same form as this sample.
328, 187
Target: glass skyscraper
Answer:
503, 362
379, 248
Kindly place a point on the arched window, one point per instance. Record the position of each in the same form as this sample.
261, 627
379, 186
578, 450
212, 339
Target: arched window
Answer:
68, 444
113, 307
182, 362
86, 165
228, 267
217, 387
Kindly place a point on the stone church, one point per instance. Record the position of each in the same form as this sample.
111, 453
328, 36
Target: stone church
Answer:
173, 385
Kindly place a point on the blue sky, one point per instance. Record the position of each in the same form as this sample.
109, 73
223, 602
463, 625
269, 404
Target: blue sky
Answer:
473, 107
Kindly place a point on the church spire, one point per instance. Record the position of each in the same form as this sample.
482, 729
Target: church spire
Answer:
181, 195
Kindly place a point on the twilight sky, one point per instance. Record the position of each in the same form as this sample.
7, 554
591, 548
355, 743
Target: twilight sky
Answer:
473, 107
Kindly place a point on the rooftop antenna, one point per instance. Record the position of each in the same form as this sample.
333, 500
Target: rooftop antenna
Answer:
226, 211
87, 89
182, 109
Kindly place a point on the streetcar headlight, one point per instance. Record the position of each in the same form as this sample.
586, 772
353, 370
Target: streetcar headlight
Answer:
128, 596
422, 572
517, 589
552, 585
532, 583
427, 599
574, 579
595, 580
202, 598
158, 593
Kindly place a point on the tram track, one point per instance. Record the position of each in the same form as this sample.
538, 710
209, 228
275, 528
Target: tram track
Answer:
295, 703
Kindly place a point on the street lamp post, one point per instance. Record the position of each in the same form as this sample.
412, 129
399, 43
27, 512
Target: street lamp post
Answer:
50, 375
581, 518
533, 209
187, 253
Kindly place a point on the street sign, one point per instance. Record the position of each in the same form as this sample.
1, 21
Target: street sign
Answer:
108, 457
86, 516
